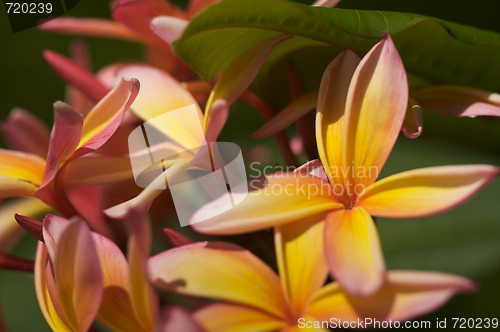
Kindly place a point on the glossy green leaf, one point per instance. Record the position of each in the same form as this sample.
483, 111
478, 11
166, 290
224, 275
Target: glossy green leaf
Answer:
433, 50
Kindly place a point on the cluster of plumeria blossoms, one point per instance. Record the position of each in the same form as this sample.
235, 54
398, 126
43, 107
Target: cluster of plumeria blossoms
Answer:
94, 262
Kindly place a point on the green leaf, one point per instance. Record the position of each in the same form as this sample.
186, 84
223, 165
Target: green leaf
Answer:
433, 50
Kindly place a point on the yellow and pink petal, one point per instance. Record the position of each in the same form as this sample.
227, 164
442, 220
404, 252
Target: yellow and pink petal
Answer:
405, 295
354, 252
221, 271
425, 191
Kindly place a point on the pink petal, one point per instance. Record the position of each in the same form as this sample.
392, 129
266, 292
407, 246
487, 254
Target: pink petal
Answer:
67, 132
88, 202
177, 238
23, 131
458, 100
219, 270
95, 170
178, 319
404, 296
426, 191
142, 295
32, 226
293, 112
218, 113
79, 53
65, 138
137, 15
169, 28
76, 75
375, 109
354, 252
53, 228
78, 276
94, 27
104, 119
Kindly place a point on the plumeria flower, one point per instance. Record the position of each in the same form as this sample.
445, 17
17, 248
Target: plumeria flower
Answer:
132, 20
254, 298
81, 276
28, 174
152, 102
361, 108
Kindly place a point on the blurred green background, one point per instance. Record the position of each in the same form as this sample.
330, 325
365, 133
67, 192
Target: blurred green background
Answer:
465, 241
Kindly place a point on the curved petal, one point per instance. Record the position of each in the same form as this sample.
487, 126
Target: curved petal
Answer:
219, 270
78, 276
80, 54
222, 317
404, 296
458, 100
330, 113
66, 134
10, 187
94, 27
353, 251
49, 311
30, 225
236, 78
65, 137
413, 123
116, 310
22, 166
178, 319
169, 28
218, 113
177, 238
375, 110
76, 75
301, 259
21, 174
25, 132
103, 120
426, 191
271, 200
143, 296
294, 111
161, 93
95, 170
137, 15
